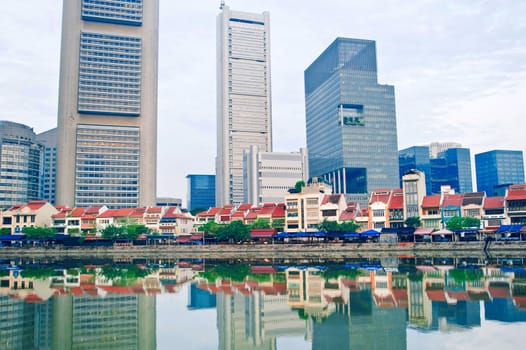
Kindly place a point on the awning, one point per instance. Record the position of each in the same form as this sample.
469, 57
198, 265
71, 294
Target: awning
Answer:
424, 231
11, 238
443, 232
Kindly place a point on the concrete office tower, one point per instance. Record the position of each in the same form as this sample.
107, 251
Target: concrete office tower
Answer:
107, 111
351, 120
20, 164
269, 175
48, 173
498, 167
243, 97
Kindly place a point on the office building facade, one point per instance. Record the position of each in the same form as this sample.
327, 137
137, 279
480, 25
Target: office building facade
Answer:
498, 168
351, 120
107, 113
452, 167
269, 175
201, 192
20, 164
243, 97
48, 172
416, 158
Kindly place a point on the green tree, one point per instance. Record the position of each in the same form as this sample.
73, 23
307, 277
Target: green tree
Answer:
4, 231
454, 223
413, 221
135, 230
210, 227
299, 185
470, 222
278, 224
39, 232
112, 232
329, 226
236, 231
349, 226
260, 224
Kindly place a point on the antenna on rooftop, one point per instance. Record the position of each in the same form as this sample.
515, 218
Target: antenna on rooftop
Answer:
222, 4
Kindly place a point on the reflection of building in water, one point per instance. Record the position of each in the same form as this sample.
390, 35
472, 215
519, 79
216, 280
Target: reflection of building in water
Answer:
114, 321
199, 298
251, 314
17, 322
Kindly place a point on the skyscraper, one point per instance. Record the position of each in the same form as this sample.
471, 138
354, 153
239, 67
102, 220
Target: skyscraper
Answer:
452, 167
201, 193
48, 172
351, 120
269, 175
20, 164
243, 97
107, 112
498, 167
416, 158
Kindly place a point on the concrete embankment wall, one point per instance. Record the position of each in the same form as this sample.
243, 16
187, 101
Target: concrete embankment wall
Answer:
451, 249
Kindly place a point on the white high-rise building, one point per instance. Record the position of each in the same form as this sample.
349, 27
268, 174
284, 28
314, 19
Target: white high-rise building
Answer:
107, 111
269, 175
243, 97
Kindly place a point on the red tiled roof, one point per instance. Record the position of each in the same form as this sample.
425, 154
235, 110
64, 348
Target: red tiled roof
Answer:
331, 198
268, 205
77, 212
252, 215
61, 214
431, 201
154, 210
380, 195
499, 292
436, 295
494, 203
460, 295
35, 205
397, 199
348, 214
114, 213
238, 214
225, 211
93, 210
400, 294
452, 200
516, 195
278, 212
244, 207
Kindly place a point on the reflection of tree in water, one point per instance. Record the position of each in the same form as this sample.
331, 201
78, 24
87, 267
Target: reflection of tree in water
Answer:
40, 273
124, 275
466, 275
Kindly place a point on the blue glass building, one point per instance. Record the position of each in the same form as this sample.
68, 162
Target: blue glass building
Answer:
351, 120
452, 167
201, 191
498, 167
416, 157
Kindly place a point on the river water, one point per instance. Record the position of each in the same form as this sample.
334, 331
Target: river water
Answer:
359, 303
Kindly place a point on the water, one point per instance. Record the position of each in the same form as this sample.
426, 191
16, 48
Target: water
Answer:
374, 303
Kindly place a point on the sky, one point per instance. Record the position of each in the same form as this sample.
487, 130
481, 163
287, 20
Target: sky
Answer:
458, 68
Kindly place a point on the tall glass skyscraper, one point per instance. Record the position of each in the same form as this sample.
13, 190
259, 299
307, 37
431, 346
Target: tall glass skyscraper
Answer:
107, 113
243, 97
20, 164
416, 158
452, 167
498, 167
201, 193
351, 120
